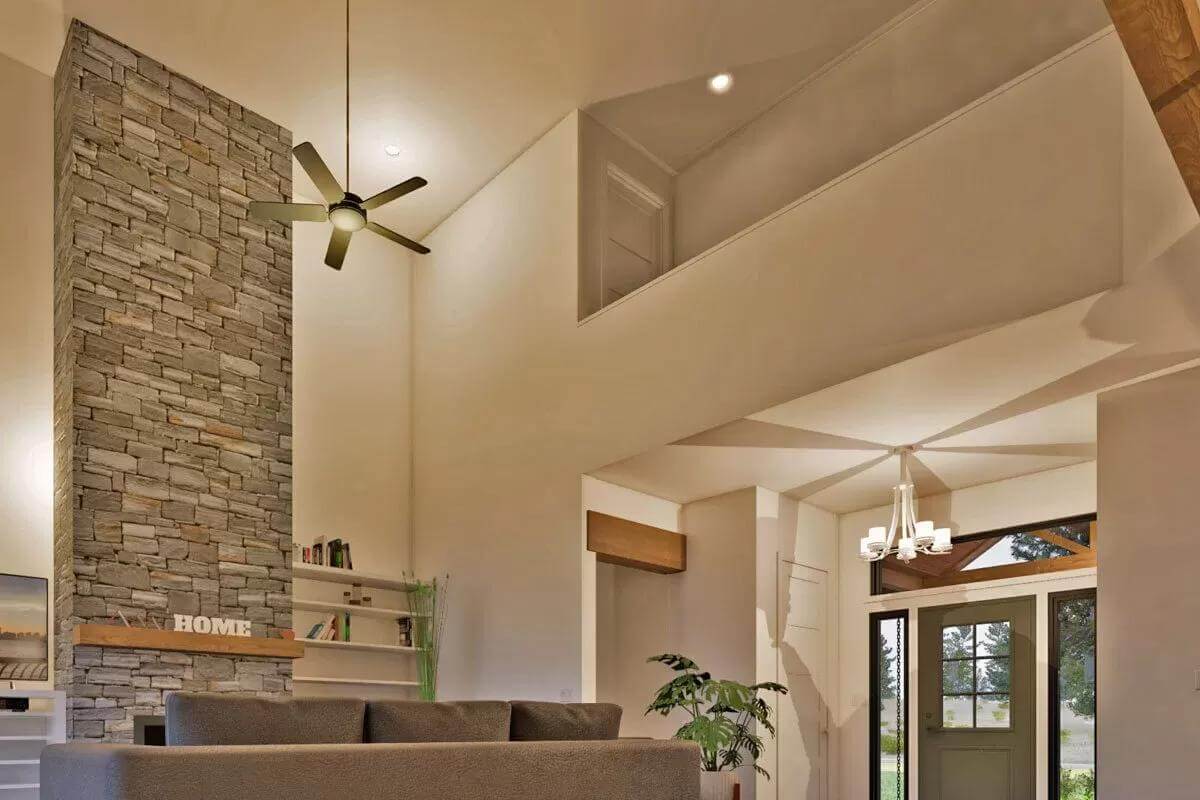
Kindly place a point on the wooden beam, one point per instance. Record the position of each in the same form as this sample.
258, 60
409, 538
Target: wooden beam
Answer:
1061, 541
1024, 569
178, 641
1162, 39
631, 544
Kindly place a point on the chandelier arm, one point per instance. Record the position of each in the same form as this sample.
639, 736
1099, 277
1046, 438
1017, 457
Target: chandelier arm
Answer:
891, 536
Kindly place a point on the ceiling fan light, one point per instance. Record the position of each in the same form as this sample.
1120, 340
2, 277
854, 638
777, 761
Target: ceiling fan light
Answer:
347, 218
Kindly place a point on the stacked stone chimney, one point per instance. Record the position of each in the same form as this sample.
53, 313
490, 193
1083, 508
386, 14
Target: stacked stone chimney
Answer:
173, 385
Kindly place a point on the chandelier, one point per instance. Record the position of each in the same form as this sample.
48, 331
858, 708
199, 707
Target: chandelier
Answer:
914, 537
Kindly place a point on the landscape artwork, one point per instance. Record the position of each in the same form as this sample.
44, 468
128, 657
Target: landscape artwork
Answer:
23, 635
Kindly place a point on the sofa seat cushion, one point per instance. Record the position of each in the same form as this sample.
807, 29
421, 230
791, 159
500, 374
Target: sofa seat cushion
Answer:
403, 721
544, 722
223, 719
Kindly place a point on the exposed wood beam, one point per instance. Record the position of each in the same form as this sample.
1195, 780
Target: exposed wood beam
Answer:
632, 544
1162, 38
1061, 541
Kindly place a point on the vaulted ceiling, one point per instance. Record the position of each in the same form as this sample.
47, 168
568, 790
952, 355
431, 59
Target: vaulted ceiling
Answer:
462, 86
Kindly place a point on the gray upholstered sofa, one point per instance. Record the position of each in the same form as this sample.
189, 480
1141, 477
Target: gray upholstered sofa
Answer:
247, 748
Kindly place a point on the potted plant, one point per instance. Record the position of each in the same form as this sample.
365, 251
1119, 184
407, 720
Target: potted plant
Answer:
722, 713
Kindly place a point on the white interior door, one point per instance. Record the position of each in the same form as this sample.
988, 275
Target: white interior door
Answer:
803, 746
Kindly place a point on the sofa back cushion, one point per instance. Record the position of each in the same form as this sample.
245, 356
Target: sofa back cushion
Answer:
216, 719
542, 722
474, 721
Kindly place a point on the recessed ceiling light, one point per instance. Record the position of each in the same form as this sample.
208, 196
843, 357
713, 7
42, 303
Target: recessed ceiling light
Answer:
720, 83
392, 150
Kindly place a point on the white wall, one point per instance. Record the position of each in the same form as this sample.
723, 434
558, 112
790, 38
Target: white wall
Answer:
792, 531
1149, 654
938, 58
1043, 496
1013, 207
26, 321
352, 437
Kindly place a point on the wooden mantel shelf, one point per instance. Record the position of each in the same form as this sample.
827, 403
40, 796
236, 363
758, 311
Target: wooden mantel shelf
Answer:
181, 642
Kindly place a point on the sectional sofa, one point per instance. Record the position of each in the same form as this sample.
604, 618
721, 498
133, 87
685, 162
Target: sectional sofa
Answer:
248, 748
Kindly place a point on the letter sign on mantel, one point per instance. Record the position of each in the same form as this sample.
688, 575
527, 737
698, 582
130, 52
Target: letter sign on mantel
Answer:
216, 625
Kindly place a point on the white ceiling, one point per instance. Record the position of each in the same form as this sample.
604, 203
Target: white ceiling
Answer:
1012, 401
462, 86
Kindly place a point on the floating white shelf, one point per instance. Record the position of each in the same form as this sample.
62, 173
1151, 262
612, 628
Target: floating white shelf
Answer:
23, 762
315, 572
354, 611
26, 714
382, 648
18, 786
30, 738
355, 682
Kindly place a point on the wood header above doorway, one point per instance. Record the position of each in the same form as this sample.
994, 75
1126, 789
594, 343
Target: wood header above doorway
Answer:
632, 544
1162, 39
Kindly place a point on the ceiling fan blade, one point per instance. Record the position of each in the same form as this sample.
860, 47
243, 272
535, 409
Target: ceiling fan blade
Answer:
326, 184
288, 212
338, 244
388, 195
388, 233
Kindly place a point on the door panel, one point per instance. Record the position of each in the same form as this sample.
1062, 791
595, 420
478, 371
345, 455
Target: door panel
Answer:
803, 667
975, 665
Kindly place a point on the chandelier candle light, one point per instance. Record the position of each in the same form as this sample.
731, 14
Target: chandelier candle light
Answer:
915, 537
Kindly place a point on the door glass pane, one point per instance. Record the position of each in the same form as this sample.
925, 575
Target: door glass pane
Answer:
957, 641
993, 639
957, 711
1075, 646
992, 711
991, 675
957, 678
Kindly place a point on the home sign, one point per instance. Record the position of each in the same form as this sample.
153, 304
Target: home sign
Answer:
188, 623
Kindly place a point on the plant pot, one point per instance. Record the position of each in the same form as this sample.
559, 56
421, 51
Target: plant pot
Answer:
717, 785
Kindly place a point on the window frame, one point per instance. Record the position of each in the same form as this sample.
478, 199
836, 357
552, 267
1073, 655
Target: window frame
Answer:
1054, 718
873, 742
974, 660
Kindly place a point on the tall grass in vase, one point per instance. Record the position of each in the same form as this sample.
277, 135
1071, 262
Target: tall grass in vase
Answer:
427, 602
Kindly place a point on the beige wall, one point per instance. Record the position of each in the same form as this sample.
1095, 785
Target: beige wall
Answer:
1149, 654
514, 399
1053, 494
26, 319
912, 74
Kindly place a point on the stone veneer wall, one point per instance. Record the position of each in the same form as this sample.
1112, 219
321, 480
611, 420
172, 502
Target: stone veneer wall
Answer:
173, 384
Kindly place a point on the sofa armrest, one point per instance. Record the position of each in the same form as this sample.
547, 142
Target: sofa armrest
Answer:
606, 770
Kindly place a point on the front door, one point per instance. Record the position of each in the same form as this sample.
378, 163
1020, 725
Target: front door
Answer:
975, 698
803, 668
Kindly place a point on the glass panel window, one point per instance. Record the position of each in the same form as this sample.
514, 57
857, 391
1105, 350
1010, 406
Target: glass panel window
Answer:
976, 665
889, 713
957, 641
991, 711
995, 554
957, 711
1073, 699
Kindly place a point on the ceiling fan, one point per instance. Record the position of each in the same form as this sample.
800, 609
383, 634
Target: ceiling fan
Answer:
344, 209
